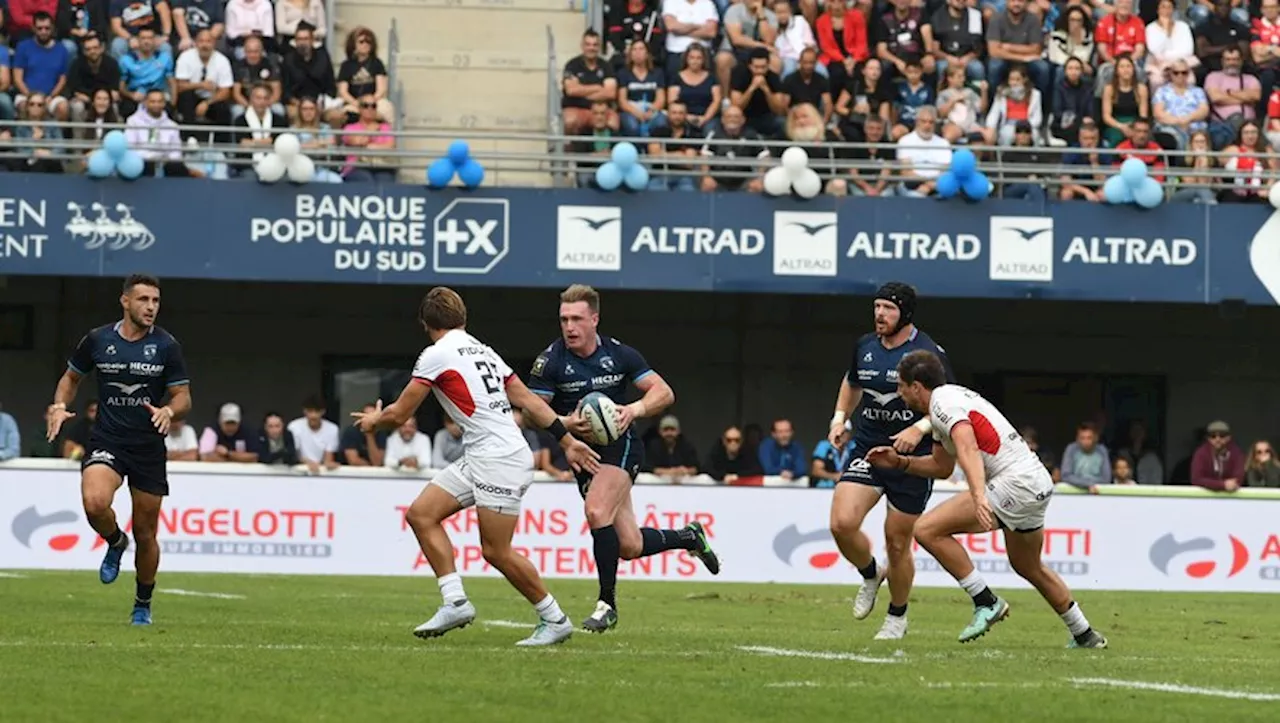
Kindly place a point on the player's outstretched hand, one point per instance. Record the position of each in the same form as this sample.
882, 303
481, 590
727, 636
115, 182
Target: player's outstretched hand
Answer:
368, 421
907, 440
982, 509
57, 415
884, 457
160, 417
580, 456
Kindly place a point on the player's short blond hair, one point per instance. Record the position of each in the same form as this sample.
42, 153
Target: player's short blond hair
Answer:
442, 308
582, 292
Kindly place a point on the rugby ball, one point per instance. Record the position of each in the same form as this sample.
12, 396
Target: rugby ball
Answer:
602, 414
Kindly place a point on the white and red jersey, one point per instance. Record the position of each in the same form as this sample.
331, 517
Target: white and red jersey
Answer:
470, 381
1004, 454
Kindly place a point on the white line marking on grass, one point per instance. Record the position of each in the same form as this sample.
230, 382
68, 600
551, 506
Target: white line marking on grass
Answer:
795, 684
817, 654
428, 648
1175, 688
13, 575
507, 624
193, 593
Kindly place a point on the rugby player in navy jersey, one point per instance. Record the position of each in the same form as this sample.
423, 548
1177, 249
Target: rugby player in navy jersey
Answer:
582, 361
881, 418
137, 363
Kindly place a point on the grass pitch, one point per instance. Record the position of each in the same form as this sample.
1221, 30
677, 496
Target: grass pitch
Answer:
277, 648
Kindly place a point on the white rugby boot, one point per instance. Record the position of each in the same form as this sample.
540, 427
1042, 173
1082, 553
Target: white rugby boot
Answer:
448, 617
549, 633
894, 628
865, 601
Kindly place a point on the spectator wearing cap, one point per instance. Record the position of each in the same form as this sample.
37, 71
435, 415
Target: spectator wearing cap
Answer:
780, 454
180, 444
407, 448
729, 461
1218, 463
229, 441
1085, 463
670, 455
274, 445
362, 449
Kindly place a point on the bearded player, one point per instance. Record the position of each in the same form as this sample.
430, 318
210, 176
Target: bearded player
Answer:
1009, 488
882, 418
578, 363
137, 363
477, 389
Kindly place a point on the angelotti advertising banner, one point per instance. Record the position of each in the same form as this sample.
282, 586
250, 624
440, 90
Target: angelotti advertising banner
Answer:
349, 526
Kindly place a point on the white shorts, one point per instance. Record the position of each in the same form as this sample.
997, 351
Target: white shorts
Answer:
1020, 500
491, 484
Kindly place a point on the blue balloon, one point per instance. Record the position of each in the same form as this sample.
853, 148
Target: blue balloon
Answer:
459, 153
977, 187
1116, 191
1150, 194
115, 144
440, 173
948, 185
608, 176
471, 174
637, 177
1133, 171
964, 164
101, 164
130, 166
625, 155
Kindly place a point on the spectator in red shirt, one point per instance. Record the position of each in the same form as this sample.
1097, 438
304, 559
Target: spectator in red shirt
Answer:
1273, 120
842, 40
1249, 166
1264, 45
1139, 145
1120, 33
1218, 464
21, 14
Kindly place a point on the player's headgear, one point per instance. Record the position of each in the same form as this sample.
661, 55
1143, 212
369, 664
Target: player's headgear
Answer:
904, 297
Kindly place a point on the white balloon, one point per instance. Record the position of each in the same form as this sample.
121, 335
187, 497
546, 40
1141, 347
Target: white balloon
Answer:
288, 146
1274, 195
777, 182
808, 185
302, 169
795, 160
270, 168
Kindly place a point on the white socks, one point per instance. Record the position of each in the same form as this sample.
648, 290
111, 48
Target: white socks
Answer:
973, 583
451, 588
1075, 620
549, 610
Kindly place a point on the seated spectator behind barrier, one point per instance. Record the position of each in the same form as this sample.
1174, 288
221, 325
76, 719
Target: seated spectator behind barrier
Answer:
678, 160
642, 94
748, 24
808, 86
229, 441
1121, 34
1017, 37
829, 462
1024, 184
781, 455
256, 67
871, 177
1168, 41
10, 437
43, 137
180, 444
204, 82
1122, 472
260, 126
316, 138
842, 40
369, 137
155, 136
308, 73
670, 456
1262, 469
961, 107
697, 89
1032, 440
446, 448
593, 148
805, 130
865, 94
362, 74
292, 13
1140, 146
1071, 38
144, 70
954, 38
275, 446
923, 155
130, 17
1196, 176
587, 80
1085, 463
75, 20
630, 21
1233, 97
1264, 44
1088, 168
1073, 102
192, 16
91, 71
1017, 100
730, 460
1218, 464
733, 140
1143, 455
315, 437
407, 448
40, 66
899, 39
1180, 108
1124, 100
1251, 165
912, 95
688, 22
756, 91
1218, 30
100, 111
362, 449
250, 19
794, 37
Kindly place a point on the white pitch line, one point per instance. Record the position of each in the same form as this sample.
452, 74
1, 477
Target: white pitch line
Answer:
413, 648
13, 575
194, 593
1175, 688
795, 684
506, 624
817, 654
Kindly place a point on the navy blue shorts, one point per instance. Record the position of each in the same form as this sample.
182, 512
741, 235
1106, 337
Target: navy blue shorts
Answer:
626, 453
142, 465
907, 493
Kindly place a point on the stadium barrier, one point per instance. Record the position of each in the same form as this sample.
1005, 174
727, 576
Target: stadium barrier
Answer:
257, 519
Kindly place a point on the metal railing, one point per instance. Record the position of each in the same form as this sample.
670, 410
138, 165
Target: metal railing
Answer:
555, 122
395, 89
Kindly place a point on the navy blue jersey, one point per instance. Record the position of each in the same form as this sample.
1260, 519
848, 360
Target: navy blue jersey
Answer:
882, 413
564, 378
130, 375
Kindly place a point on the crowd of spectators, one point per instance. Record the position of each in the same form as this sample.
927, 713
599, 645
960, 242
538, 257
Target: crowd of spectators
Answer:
1100, 76
260, 67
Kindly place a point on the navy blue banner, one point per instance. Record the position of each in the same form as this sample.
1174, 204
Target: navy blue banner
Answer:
515, 237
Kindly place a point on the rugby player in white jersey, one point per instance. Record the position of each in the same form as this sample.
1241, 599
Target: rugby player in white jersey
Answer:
477, 389
1009, 488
